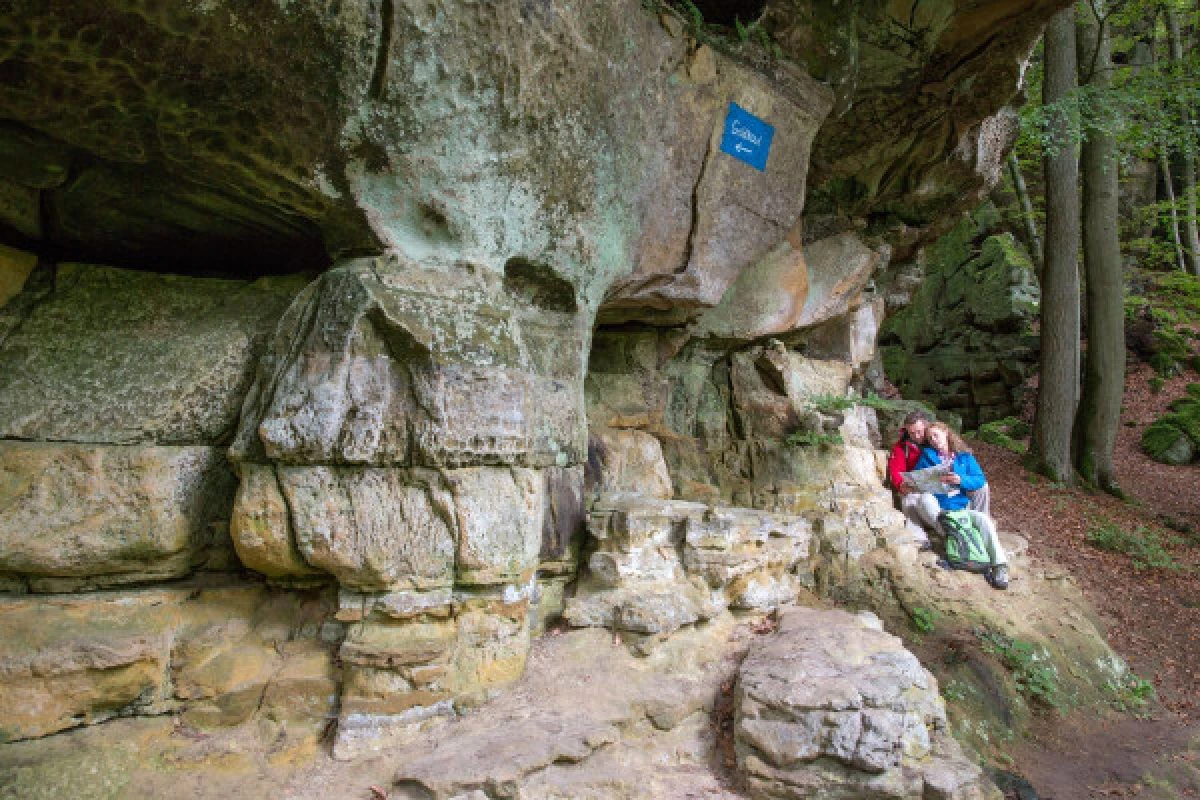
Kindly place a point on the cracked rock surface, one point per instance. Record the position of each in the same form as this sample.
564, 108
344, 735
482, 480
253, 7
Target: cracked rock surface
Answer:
831, 706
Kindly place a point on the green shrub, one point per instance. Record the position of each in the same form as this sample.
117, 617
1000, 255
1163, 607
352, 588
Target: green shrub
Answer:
923, 620
832, 403
878, 403
1034, 675
1172, 351
1143, 546
1130, 692
1166, 442
810, 439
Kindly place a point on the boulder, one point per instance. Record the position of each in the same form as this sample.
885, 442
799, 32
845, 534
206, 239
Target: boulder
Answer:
412, 656
661, 565
1174, 438
830, 706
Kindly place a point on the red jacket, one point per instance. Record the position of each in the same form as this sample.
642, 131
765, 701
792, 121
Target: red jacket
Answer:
904, 457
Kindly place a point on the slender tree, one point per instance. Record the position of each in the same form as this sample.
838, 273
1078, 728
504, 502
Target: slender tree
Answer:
1104, 371
1191, 226
1058, 387
1032, 239
1144, 58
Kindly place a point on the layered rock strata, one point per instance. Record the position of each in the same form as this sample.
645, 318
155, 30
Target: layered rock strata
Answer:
214, 654
120, 390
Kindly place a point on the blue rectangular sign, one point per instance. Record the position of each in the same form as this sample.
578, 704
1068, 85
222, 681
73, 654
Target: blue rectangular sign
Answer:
747, 137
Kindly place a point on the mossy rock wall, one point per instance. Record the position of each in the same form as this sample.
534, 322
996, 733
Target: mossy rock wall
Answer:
963, 340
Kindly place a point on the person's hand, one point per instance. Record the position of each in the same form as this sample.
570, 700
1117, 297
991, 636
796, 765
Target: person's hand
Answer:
952, 479
905, 488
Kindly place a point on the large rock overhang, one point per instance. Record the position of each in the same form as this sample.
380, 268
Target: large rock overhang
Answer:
278, 137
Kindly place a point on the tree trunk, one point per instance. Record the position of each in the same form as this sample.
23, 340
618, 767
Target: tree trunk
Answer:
1104, 373
1191, 226
1026, 206
1058, 386
1145, 54
1164, 168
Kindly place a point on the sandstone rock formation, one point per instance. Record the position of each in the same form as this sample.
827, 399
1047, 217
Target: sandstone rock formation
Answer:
424, 290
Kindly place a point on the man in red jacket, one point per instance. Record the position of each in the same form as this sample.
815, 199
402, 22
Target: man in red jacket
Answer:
905, 454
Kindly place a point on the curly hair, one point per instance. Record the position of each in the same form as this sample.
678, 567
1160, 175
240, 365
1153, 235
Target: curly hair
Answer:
956, 442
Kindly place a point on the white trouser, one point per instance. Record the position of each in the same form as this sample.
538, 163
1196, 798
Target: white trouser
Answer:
925, 509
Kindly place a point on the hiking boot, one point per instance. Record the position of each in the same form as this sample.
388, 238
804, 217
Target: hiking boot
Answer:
998, 576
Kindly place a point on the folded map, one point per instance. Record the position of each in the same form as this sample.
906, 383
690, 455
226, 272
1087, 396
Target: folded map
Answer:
928, 479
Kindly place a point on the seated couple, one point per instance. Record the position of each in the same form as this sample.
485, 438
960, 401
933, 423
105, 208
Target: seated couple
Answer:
922, 445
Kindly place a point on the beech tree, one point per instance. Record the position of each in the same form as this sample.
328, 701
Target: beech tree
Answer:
1099, 412
1058, 382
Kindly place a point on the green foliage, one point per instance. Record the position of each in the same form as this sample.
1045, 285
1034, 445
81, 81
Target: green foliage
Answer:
832, 403
835, 404
1170, 302
1130, 692
810, 439
1008, 433
878, 403
1143, 546
738, 40
955, 692
1156, 384
1142, 108
923, 620
695, 15
1029, 665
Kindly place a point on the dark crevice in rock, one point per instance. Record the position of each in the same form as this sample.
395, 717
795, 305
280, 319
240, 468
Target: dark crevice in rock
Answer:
383, 57
694, 222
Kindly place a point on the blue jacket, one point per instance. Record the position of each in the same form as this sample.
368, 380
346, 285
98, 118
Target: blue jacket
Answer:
966, 467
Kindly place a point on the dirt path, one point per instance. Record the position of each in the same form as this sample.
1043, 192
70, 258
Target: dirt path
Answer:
1152, 614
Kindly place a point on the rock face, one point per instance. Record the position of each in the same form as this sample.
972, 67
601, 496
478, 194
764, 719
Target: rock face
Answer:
122, 357
527, 291
391, 138
74, 516
216, 654
118, 390
830, 706
963, 340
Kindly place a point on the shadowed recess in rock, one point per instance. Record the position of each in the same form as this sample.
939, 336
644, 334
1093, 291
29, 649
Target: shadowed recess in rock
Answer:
539, 285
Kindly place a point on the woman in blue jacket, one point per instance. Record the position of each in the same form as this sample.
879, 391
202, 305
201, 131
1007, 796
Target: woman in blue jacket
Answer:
963, 475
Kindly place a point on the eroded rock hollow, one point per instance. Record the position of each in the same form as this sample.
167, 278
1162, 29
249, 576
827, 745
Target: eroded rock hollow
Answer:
345, 344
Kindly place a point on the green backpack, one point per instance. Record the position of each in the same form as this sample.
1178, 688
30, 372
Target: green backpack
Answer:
966, 544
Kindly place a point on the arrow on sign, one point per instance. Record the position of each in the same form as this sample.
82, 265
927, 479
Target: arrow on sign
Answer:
741, 148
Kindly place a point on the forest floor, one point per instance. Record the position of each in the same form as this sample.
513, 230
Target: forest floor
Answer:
1152, 613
